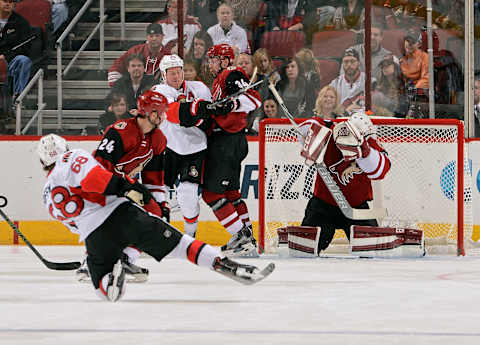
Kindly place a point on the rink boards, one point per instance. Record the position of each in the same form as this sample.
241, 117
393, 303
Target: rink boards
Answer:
22, 182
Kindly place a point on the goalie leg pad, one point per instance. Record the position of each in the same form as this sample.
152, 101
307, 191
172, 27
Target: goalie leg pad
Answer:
369, 241
302, 240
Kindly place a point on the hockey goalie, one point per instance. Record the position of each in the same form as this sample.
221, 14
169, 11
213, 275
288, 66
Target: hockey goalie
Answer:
354, 157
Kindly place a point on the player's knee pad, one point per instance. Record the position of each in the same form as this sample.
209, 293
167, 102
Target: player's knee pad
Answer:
301, 241
214, 200
234, 196
370, 241
187, 197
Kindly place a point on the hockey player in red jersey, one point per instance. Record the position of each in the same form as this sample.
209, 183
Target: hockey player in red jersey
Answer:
354, 158
134, 148
227, 147
102, 208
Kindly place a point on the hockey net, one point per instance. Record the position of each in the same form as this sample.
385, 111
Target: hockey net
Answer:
420, 190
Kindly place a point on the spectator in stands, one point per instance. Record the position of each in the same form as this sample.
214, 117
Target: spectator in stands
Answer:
414, 64
59, 13
311, 67
191, 70
298, 95
116, 111
378, 53
15, 35
201, 43
390, 88
285, 15
204, 11
153, 52
265, 65
476, 102
170, 27
269, 110
134, 83
319, 16
350, 85
327, 105
350, 16
227, 31
245, 61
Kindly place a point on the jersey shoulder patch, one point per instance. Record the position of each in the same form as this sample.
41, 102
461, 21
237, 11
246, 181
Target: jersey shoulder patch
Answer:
120, 125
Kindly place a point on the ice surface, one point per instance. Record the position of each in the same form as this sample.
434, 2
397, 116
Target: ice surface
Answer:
434, 300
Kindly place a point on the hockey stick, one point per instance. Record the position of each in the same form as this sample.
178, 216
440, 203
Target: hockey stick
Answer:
59, 266
347, 210
239, 92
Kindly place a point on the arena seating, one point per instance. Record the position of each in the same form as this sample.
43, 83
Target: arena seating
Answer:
282, 43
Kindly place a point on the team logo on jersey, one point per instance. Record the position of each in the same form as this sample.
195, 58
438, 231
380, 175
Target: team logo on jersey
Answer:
193, 171
120, 125
345, 171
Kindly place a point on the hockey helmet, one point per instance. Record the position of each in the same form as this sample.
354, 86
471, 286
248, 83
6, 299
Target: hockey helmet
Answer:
150, 101
50, 147
221, 50
170, 61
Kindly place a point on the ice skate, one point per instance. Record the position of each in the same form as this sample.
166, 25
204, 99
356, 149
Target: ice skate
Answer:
82, 273
241, 243
135, 274
245, 274
116, 282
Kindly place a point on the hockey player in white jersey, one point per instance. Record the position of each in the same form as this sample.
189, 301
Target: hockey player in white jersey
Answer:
186, 147
103, 209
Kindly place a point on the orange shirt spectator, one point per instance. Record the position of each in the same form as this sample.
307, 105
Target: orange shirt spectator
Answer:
414, 64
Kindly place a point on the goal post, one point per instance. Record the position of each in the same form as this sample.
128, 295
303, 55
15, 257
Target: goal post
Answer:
420, 190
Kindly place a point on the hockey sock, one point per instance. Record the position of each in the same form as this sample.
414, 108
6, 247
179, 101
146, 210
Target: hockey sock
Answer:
195, 251
133, 254
190, 225
240, 205
224, 211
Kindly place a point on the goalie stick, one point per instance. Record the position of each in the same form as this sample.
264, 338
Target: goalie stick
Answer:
59, 266
347, 210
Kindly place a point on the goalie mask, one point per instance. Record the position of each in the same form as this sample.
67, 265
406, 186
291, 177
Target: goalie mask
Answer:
170, 61
50, 148
150, 101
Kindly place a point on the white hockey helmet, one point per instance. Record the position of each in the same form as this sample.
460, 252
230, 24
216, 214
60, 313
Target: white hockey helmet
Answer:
170, 61
50, 147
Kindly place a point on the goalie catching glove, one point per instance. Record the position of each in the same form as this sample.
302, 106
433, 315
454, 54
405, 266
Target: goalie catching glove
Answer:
350, 141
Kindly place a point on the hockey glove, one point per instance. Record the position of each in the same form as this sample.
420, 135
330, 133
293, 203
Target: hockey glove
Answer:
350, 142
136, 192
225, 108
165, 207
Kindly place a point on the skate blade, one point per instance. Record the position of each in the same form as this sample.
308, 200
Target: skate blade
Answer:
245, 250
256, 277
137, 278
113, 291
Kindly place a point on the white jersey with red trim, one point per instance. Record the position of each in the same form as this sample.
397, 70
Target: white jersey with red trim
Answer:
184, 140
73, 193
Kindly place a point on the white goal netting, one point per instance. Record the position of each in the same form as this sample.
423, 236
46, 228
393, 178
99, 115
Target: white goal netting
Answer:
421, 189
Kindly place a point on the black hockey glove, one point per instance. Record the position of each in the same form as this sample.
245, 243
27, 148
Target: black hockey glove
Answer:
165, 207
225, 108
133, 190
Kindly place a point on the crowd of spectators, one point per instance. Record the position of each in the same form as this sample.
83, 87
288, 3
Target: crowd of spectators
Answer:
305, 88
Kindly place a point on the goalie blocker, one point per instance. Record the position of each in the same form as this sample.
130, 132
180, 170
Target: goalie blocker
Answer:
365, 241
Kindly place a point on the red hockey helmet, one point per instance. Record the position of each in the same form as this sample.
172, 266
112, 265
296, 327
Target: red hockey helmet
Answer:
221, 50
151, 100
